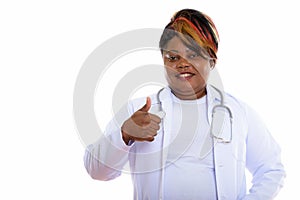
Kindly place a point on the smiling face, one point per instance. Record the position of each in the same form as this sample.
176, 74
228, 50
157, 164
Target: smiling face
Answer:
187, 71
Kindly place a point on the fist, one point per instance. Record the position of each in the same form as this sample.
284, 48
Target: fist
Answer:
142, 125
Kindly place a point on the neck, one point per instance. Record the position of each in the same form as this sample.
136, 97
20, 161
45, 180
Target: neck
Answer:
190, 96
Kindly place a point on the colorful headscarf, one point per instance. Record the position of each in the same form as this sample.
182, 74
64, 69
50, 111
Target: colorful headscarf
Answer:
194, 28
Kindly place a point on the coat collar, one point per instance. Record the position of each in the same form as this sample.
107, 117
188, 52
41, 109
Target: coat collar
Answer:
214, 94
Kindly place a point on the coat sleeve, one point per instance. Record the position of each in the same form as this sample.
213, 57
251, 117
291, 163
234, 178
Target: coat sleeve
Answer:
106, 158
262, 160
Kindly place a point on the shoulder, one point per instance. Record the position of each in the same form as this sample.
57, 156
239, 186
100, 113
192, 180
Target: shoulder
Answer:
218, 95
238, 106
234, 101
242, 109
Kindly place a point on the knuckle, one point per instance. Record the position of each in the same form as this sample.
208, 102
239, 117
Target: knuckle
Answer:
144, 133
146, 119
150, 139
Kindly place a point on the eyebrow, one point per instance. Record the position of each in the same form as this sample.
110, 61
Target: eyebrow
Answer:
176, 51
173, 51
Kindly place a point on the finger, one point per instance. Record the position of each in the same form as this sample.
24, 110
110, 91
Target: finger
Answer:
149, 139
140, 121
146, 119
154, 125
155, 118
148, 130
151, 133
147, 106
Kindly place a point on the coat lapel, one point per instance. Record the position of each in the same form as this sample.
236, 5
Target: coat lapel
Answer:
224, 162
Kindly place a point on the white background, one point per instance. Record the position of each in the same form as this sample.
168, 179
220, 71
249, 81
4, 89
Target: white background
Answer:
44, 43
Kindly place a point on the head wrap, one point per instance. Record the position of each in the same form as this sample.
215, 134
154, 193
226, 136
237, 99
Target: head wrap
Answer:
196, 30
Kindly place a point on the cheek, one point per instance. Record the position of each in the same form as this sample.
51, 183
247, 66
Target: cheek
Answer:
204, 72
169, 70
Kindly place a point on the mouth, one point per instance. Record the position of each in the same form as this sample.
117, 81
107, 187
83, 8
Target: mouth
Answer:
185, 76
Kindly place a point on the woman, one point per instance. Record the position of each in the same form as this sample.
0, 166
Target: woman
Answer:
182, 155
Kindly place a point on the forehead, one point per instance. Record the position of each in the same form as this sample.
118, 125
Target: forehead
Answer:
176, 45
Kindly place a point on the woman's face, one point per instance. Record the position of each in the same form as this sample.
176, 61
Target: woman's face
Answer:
187, 71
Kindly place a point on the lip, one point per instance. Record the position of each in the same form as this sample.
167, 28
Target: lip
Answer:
185, 75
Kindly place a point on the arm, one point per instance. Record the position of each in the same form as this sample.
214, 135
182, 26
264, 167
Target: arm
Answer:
105, 159
263, 160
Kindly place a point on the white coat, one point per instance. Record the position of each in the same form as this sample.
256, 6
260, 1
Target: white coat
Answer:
252, 147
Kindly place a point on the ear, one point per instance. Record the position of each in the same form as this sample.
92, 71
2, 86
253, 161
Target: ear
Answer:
212, 63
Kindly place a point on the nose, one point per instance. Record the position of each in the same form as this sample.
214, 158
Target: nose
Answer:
183, 63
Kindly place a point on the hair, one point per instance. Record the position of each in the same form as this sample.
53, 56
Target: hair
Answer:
195, 29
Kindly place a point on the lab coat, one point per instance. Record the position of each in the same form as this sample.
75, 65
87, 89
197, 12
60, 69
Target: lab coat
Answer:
252, 147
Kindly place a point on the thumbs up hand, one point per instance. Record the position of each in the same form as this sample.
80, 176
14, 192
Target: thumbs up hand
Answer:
142, 125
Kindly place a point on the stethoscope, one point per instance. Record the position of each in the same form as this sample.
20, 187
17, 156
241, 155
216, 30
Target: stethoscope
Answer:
218, 117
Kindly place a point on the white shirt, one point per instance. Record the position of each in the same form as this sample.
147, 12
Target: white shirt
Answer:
189, 175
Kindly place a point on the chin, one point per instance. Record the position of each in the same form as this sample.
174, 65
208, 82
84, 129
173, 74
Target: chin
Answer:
186, 91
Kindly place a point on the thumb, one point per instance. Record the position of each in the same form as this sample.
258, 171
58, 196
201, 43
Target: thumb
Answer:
147, 106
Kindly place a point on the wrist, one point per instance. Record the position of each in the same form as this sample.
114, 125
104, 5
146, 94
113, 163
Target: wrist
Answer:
126, 138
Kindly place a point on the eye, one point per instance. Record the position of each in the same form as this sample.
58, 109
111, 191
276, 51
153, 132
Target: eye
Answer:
172, 58
194, 55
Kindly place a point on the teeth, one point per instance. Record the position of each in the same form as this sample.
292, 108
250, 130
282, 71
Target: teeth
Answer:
185, 75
